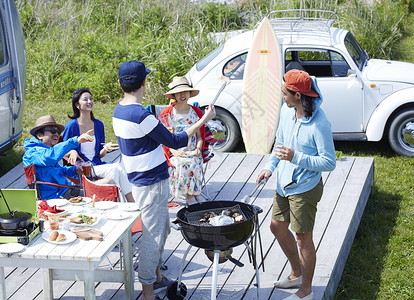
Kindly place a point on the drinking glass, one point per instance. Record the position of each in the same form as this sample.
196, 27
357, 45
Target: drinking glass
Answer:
53, 221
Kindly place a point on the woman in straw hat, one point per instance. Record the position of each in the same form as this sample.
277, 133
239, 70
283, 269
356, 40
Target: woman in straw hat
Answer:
185, 163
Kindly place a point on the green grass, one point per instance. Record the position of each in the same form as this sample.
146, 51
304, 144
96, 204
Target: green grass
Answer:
381, 262
71, 44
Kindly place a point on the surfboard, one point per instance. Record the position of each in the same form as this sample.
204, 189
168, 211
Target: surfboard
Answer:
262, 96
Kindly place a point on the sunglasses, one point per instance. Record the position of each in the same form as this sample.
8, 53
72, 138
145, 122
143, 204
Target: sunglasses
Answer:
53, 131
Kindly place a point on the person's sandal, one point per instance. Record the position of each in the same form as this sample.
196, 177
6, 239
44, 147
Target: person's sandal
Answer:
288, 283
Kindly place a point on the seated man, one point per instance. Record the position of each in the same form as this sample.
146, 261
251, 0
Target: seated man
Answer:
44, 151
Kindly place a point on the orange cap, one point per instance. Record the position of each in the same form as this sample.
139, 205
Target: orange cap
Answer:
300, 81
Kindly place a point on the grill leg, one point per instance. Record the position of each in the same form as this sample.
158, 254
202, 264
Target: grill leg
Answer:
215, 267
182, 268
255, 267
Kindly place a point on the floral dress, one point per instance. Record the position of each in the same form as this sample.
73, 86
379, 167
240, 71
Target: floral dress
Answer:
185, 171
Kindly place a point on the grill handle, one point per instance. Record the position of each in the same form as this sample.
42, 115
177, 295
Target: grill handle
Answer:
174, 224
235, 261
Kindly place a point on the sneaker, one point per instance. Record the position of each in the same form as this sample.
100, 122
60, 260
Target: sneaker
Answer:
163, 284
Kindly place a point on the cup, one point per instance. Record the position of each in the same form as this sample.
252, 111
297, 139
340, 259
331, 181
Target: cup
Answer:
53, 221
66, 225
86, 168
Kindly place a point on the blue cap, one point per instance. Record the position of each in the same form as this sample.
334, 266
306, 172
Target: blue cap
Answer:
132, 71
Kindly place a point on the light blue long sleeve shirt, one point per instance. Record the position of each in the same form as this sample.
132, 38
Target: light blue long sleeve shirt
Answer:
311, 138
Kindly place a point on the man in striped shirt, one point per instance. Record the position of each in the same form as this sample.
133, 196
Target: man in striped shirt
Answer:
140, 137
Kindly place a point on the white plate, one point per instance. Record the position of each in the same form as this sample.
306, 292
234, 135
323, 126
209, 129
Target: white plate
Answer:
85, 200
75, 209
11, 247
129, 207
98, 218
63, 213
104, 205
57, 202
70, 237
118, 215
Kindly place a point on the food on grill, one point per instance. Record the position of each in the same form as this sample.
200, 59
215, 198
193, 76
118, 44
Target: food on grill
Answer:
221, 220
75, 199
207, 217
239, 218
54, 236
61, 237
233, 213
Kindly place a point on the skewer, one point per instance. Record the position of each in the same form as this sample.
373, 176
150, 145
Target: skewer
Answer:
226, 81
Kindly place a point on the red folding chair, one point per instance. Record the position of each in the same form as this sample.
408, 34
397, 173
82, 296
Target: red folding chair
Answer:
102, 192
31, 178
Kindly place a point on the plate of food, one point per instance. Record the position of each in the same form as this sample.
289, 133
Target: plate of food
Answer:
10, 248
59, 237
80, 200
129, 207
103, 205
118, 215
85, 220
57, 202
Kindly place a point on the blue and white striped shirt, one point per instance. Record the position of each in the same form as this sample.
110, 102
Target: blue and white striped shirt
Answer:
140, 137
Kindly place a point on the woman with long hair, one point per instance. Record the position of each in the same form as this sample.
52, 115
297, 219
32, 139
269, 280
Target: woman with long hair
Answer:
83, 120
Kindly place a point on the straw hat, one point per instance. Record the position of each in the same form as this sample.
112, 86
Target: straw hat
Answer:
180, 84
43, 122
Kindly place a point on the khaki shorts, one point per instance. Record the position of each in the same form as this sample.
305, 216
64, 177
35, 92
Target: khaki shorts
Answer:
299, 209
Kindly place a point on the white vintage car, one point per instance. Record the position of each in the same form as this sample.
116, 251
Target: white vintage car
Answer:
365, 99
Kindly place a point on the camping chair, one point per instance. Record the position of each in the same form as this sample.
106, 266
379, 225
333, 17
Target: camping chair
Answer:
30, 172
102, 192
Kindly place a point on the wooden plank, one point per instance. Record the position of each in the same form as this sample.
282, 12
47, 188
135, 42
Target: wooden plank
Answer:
340, 232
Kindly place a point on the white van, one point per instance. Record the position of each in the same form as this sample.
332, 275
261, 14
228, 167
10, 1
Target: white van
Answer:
12, 75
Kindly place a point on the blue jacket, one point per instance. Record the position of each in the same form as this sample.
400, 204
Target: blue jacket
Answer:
72, 129
46, 160
311, 138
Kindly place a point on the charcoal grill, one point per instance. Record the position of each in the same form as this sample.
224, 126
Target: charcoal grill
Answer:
217, 239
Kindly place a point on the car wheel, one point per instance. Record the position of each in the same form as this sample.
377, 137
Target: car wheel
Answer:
224, 127
401, 133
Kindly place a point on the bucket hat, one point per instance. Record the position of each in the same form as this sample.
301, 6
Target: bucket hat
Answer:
300, 81
180, 84
43, 122
132, 71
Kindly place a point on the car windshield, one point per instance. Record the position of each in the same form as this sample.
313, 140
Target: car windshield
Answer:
355, 50
206, 60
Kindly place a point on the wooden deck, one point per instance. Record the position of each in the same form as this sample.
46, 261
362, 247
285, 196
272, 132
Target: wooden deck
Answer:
231, 176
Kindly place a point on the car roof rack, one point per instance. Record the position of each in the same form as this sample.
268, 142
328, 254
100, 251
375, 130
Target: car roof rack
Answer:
303, 20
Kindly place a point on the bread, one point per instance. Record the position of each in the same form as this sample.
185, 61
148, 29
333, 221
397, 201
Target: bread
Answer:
75, 200
61, 237
76, 220
54, 236
114, 146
